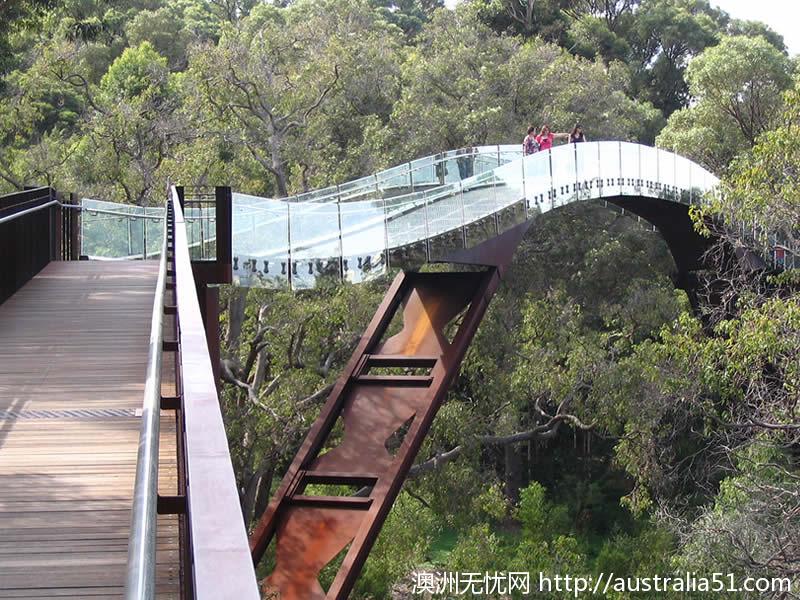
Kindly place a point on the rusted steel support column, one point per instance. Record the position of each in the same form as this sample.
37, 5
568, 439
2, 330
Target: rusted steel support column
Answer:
390, 386
224, 231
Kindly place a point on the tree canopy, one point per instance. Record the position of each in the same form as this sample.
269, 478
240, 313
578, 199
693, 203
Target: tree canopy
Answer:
600, 423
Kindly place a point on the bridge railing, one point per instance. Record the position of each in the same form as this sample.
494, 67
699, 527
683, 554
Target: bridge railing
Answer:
34, 230
214, 552
295, 244
417, 211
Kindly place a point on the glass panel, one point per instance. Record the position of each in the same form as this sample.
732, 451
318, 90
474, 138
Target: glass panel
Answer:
154, 231
698, 178
629, 159
410, 256
609, 153
538, 182
511, 215
478, 196
465, 162
260, 241
353, 191
314, 236
666, 174
328, 194
510, 154
564, 177
480, 230
445, 210
395, 181
683, 179
442, 245
588, 170
363, 240
424, 173
649, 170
113, 230
508, 185
485, 159
136, 240
406, 221
200, 220
452, 170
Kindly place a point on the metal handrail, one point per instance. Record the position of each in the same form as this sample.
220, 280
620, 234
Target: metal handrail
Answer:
100, 211
141, 573
117, 213
21, 213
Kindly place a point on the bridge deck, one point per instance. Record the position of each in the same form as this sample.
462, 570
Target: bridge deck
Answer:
73, 354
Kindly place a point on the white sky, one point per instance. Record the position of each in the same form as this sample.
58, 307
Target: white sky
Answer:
781, 15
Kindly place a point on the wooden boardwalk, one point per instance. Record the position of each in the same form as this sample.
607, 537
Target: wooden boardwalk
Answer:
73, 354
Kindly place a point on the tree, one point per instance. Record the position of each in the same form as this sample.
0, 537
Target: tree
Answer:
713, 434
132, 126
742, 77
264, 82
542, 18
455, 96
762, 186
593, 37
665, 34
39, 118
737, 86
16, 15
282, 354
757, 29
614, 13
409, 15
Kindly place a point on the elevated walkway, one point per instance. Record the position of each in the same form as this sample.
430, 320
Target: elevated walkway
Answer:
420, 211
73, 356
115, 475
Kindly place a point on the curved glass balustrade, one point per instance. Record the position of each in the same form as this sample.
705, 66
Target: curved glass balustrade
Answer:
408, 214
113, 231
294, 243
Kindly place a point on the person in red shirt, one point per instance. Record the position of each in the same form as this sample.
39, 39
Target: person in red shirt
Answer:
546, 137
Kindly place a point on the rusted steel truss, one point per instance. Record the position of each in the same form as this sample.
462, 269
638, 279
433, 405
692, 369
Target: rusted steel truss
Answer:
386, 399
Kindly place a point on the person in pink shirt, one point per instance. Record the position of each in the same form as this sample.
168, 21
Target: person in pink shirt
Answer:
546, 137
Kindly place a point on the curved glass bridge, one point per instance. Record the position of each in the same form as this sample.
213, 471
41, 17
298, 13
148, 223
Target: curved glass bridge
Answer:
406, 215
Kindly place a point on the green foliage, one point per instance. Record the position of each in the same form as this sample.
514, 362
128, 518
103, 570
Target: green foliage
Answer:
465, 85
139, 74
541, 520
401, 546
737, 85
762, 187
591, 404
640, 554
594, 38
478, 550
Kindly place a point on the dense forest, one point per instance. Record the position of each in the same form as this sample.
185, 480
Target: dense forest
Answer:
601, 423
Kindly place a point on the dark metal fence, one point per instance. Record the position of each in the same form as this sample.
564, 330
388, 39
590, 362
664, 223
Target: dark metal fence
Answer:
34, 230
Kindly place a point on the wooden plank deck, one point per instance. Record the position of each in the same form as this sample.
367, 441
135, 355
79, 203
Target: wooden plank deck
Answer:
73, 354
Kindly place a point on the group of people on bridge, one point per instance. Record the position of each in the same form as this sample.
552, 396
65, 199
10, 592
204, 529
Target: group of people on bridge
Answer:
534, 142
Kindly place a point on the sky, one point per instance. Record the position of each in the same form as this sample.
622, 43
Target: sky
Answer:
781, 15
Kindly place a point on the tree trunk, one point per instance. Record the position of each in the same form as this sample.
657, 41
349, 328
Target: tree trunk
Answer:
278, 168
513, 472
263, 493
236, 307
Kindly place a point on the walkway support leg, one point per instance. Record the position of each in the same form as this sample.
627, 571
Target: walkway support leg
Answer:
387, 398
